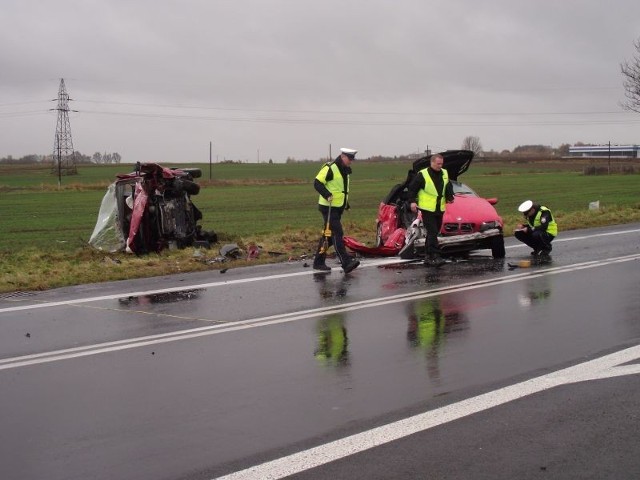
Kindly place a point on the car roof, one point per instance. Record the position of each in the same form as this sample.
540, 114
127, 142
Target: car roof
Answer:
456, 162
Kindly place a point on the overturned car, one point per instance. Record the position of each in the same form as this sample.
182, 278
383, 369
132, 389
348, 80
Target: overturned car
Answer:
469, 223
149, 210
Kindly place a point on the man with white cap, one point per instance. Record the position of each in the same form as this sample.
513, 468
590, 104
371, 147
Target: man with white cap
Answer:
332, 184
540, 229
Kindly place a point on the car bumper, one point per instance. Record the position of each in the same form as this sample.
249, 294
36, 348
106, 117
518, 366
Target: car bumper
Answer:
467, 241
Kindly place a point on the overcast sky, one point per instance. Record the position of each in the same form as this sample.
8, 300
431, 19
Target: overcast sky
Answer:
158, 80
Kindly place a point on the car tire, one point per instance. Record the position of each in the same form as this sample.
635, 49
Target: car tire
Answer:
378, 235
407, 252
192, 188
497, 247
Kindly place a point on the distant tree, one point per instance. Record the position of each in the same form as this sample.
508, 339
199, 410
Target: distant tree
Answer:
631, 73
116, 157
563, 149
97, 158
30, 159
473, 144
532, 150
81, 159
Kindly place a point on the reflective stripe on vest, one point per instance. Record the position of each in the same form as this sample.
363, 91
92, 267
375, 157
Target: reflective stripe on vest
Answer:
428, 196
552, 228
335, 185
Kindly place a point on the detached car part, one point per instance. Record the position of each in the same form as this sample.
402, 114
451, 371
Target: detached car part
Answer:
149, 210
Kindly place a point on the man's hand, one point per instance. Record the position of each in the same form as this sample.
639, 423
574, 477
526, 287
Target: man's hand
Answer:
414, 207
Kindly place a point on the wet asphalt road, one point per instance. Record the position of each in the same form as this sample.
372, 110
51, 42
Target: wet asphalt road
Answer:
200, 375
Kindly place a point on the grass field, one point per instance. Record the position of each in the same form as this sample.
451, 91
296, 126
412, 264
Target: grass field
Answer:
45, 228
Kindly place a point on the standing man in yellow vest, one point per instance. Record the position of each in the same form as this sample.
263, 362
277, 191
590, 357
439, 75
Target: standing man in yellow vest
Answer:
540, 229
430, 191
332, 183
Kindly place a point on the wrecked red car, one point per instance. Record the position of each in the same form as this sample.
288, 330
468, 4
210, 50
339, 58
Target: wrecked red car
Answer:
149, 210
470, 222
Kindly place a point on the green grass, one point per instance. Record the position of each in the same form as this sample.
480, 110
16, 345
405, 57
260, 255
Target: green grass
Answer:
45, 229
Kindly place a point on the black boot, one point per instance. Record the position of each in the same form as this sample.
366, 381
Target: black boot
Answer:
439, 261
351, 265
319, 263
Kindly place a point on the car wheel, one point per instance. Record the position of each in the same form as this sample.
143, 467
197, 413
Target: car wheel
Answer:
497, 247
378, 235
407, 252
192, 188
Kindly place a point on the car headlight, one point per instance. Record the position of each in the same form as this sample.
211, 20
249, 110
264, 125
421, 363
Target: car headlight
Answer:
484, 226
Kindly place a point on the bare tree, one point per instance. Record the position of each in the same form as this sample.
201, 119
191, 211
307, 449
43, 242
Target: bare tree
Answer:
473, 144
631, 73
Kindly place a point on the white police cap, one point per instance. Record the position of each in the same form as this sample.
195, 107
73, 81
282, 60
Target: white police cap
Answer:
525, 206
349, 152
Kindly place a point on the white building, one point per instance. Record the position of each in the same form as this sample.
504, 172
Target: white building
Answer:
600, 151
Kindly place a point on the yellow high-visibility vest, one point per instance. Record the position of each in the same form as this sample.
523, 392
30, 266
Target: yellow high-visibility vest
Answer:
552, 228
337, 186
428, 196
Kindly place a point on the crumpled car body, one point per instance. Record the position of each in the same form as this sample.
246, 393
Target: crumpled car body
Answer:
149, 210
470, 223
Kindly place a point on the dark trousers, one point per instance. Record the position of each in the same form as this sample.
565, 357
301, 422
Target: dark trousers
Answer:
536, 239
432, 223
336, 241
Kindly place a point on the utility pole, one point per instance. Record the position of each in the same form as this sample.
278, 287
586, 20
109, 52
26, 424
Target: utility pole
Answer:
210, 155
609, 167
63, 151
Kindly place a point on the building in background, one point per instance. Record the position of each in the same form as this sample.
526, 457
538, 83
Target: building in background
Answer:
600, 151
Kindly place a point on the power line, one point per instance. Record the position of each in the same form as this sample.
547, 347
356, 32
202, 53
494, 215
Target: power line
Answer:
310, 121
347, 112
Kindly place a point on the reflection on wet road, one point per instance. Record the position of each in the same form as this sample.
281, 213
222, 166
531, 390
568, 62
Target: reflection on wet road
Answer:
277, 357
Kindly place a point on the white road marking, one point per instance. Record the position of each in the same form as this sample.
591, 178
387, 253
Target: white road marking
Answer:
181, 288
604, 367
219, 328
368, 264
583, 237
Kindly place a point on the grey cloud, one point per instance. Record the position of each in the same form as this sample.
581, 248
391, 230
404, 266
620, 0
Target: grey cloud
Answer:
288, 77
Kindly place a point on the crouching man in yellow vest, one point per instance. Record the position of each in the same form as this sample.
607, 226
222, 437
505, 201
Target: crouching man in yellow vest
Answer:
540, 229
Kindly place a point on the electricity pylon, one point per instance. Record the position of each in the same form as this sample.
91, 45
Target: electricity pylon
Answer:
63, 154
